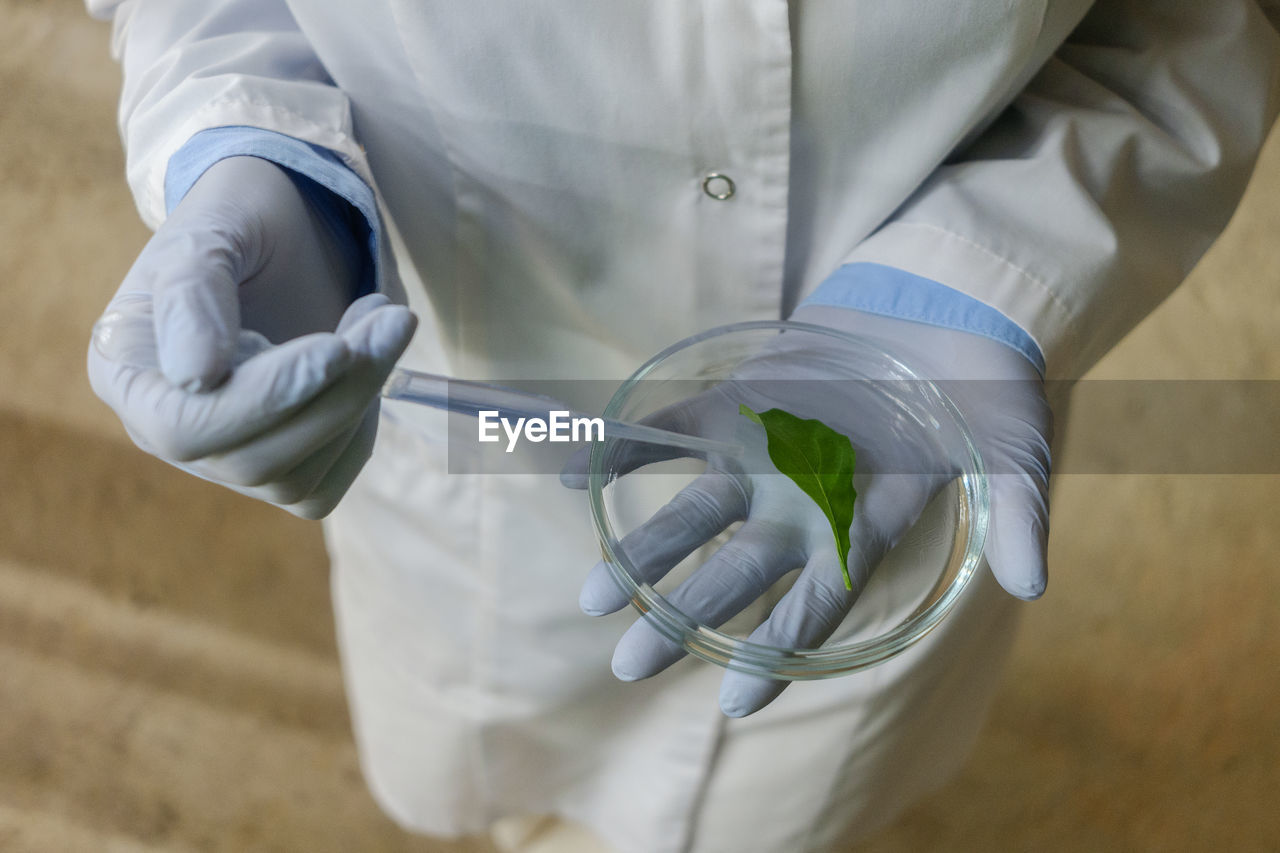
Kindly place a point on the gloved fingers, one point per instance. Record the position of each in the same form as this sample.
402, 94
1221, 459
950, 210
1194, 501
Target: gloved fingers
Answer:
248, 344
361, 308
1014, 439
193, 267
738, 573
126, 333
1018, 537
695, 515
289, 486
342, 473
804, 618
376, 340
180, 426
885, 509
269, 460
321, 500
643, 652
378, 330
357, 447
329, 473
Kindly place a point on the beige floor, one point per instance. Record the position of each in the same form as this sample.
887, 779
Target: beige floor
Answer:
167, 670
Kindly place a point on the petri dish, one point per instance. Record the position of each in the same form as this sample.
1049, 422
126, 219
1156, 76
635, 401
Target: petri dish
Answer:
919, 474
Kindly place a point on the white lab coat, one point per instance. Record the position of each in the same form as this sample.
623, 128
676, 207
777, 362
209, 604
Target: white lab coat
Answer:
542, 163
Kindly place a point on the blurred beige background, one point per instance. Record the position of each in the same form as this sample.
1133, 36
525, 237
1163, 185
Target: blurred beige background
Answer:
168, 678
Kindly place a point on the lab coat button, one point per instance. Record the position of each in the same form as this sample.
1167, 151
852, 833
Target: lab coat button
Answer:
718, 186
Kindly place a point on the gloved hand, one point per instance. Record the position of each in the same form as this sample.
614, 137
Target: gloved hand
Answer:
1008, 417
219, 351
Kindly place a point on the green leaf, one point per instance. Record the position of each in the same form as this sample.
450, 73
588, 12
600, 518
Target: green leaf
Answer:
820, 461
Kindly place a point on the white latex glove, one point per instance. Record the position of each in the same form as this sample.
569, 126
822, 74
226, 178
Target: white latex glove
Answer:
219, 354
1009, 419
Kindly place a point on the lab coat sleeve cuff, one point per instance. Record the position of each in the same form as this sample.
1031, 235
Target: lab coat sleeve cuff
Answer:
892, 292
329, 184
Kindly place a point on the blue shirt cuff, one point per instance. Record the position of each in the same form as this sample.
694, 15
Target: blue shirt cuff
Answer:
891, 292
329, 182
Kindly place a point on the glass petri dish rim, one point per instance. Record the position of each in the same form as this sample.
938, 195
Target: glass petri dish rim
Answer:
797, 664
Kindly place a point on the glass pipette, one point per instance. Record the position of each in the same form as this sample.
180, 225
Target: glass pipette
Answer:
128, 336
471, 398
